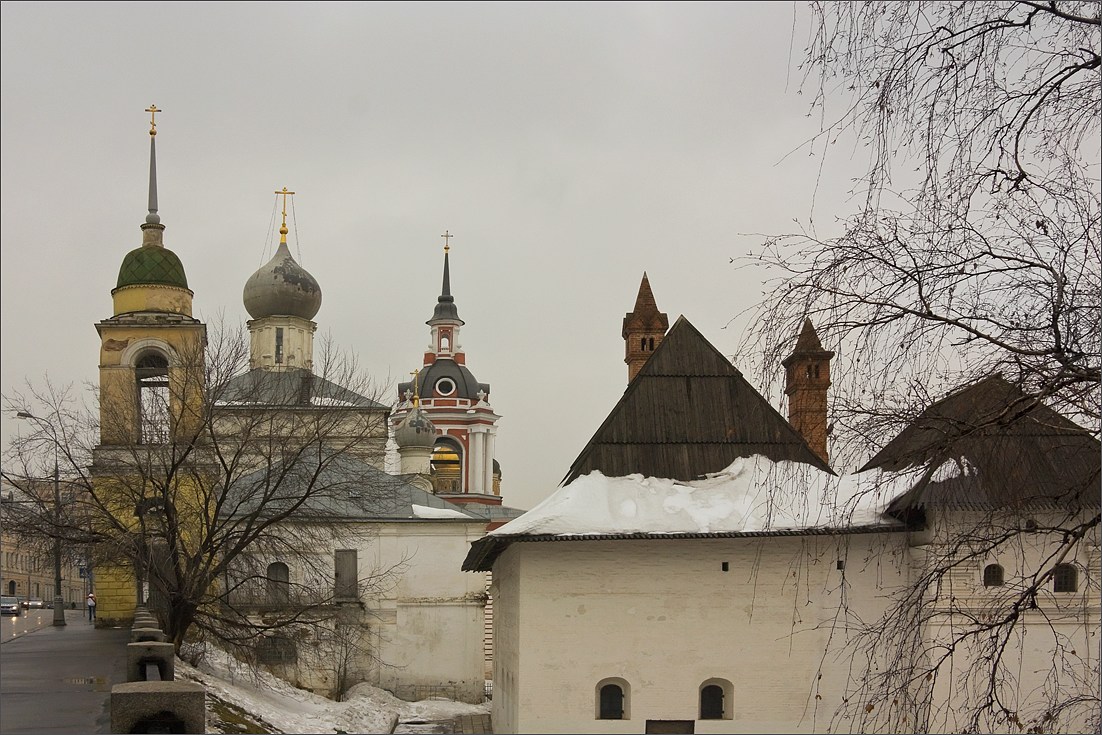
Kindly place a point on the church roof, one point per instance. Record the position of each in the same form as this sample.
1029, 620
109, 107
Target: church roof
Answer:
466, 385
445, 304
151, 264
1009, 450
282, 287
342, 488
689, 412
292, 387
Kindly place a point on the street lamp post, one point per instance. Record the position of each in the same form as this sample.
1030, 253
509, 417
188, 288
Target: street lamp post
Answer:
59, 602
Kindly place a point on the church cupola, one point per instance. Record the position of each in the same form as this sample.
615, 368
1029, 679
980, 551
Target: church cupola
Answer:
644, 328
807, 378
415, 436
151, 277
282, 298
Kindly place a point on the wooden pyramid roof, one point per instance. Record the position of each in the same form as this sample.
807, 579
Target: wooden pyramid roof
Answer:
688, 412
1014, 452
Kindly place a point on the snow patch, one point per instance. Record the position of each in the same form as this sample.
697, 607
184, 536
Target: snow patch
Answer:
424, 511
752, 494
291, 710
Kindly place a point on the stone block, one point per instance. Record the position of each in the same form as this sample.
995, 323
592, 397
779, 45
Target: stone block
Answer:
155, 652
140, 635
158, 706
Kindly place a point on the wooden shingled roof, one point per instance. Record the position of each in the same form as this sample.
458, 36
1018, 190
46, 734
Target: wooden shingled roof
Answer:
1017, 452
688, 412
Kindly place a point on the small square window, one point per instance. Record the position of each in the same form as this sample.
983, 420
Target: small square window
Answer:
1065, 578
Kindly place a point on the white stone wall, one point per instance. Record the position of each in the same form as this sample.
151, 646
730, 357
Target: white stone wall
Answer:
665, 618
420, 623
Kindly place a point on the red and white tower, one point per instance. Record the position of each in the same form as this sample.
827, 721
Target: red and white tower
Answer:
462, 466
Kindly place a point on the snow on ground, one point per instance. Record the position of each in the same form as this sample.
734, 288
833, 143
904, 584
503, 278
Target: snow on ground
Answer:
366, 709
752, 494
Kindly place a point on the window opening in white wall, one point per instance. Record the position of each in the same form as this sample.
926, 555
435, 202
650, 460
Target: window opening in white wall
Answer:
612, 702
1065, 578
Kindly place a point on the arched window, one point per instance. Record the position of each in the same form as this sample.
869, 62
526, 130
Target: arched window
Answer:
711, 702
643, 344
612, 702
11, 587
651, 345
445, 342
715, 700
446, 466
151, 372
1065, 578
279, 583
992, 576
613, 699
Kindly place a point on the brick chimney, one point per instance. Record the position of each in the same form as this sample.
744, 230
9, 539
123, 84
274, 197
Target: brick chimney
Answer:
807, 377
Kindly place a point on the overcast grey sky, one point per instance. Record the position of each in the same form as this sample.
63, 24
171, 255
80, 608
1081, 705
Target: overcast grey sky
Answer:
568, 147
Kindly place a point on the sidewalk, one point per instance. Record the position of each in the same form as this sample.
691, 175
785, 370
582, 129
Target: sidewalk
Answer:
58, 680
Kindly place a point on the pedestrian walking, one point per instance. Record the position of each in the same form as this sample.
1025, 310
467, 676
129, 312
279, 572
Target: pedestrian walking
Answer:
91, 607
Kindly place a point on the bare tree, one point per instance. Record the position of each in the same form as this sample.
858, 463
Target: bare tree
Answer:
989, 259
223, 474
975, 252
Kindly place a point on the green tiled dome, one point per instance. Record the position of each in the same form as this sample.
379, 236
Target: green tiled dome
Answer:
152, 265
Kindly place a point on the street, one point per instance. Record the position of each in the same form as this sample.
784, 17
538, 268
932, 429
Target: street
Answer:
58, 680
32, 620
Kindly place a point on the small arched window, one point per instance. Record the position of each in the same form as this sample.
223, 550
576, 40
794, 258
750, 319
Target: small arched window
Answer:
715, 699
11, 587
993, 576
445, 342
651, 345
612, 702
711, 702
1065, 578
279, 583
643, 344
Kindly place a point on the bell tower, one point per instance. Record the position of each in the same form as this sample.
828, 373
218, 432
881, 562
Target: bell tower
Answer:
151, 381
807, 378
644, 329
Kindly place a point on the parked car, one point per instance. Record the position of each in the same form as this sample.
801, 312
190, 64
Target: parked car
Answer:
10, 606
35, 604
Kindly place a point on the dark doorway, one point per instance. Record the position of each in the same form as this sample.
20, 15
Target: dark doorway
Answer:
660, 727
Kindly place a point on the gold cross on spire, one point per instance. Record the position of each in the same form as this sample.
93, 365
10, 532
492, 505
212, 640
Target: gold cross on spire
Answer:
447, 236
153, 110
416, 397
283, 227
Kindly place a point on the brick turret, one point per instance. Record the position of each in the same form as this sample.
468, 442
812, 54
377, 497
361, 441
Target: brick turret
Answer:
644, 329
807, 378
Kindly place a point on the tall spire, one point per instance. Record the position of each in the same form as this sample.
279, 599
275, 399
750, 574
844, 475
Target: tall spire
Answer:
153, 218
445, 304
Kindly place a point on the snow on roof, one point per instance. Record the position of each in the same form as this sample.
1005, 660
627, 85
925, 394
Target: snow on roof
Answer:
423, 511
753, 494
